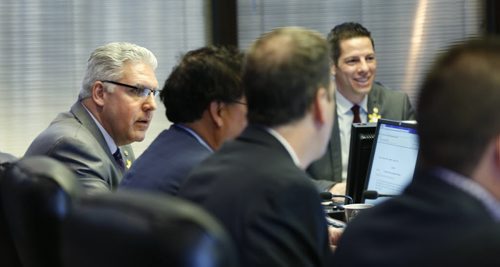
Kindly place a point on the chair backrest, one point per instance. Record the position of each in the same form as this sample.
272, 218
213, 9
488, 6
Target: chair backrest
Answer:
5, 157
37, 193
129, 228
8, 252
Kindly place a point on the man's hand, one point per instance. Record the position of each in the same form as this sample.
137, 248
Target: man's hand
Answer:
334, 236
338, 189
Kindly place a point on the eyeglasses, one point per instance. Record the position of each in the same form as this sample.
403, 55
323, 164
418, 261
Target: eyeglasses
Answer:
239, 102
140, 91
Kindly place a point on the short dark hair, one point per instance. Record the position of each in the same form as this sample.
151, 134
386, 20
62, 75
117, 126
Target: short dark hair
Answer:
459, 105
345, 31
203, 75
284, 70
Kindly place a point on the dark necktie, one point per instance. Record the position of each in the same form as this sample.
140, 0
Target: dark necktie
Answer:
119, 159
355, 112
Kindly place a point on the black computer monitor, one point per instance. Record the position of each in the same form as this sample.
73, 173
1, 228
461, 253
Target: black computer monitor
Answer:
362, 136
393, 159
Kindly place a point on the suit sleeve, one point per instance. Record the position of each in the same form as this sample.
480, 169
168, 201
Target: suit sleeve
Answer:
84, 161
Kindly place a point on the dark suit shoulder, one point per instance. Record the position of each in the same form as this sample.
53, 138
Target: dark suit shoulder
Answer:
407, 229
269, 206
166, 162
255, 162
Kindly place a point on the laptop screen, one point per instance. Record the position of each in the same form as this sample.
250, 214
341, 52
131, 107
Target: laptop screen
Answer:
393, 159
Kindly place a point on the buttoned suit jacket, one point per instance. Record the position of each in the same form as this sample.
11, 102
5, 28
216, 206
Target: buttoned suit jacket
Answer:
164, 165
391, 104
269, 206
74, 139
422, 227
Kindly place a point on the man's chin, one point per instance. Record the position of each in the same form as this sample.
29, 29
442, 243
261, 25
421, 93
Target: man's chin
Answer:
364, 90
139, 136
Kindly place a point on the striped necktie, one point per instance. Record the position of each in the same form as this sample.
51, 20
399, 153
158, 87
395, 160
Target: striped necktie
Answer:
119, 159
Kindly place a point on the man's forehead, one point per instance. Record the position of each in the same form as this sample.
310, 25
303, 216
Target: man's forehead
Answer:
356, 46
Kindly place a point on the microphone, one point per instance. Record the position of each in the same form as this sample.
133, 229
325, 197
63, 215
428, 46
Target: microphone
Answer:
372, 194
327, 196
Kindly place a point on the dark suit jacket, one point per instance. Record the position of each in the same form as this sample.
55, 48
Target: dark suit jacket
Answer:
391, 104
418, 228
269, 206
74, 139
166, 162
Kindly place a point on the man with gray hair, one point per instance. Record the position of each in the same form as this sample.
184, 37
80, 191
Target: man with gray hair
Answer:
114, 108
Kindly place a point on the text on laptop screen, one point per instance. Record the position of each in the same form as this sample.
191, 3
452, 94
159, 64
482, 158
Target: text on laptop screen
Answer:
393, 159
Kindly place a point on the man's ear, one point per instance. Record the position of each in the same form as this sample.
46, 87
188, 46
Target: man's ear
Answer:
497, 151
215, 110
321, 102
333, 69
98, 93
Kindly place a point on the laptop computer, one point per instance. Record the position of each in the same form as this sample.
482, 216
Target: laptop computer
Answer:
393, 159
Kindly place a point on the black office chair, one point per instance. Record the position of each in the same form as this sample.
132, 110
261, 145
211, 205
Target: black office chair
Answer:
8, 252
37, 193
129, 228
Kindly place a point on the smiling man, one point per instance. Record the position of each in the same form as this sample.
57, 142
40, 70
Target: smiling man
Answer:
114, 108
353, 67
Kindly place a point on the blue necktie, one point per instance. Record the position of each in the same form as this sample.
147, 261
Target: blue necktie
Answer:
119, 159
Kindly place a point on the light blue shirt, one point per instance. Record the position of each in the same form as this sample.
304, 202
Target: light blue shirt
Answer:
196, 136
472, 188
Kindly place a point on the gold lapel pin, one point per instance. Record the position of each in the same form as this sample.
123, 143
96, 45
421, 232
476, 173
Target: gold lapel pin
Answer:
374, 116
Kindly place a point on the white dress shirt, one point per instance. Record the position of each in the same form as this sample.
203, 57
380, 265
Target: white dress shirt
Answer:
344, 118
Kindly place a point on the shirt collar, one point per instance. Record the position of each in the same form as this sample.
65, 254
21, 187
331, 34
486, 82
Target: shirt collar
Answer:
344, 105
472, 188
109, 140
285, 143
195, 135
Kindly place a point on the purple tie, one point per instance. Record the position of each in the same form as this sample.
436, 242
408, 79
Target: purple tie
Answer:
355, 112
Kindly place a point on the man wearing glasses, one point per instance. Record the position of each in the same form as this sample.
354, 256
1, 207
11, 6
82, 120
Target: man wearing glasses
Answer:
114, 108
204, 99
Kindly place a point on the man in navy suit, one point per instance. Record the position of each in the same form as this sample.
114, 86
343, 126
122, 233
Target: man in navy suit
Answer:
114, 108
353, 67
204, 98
450, 214
256, 185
